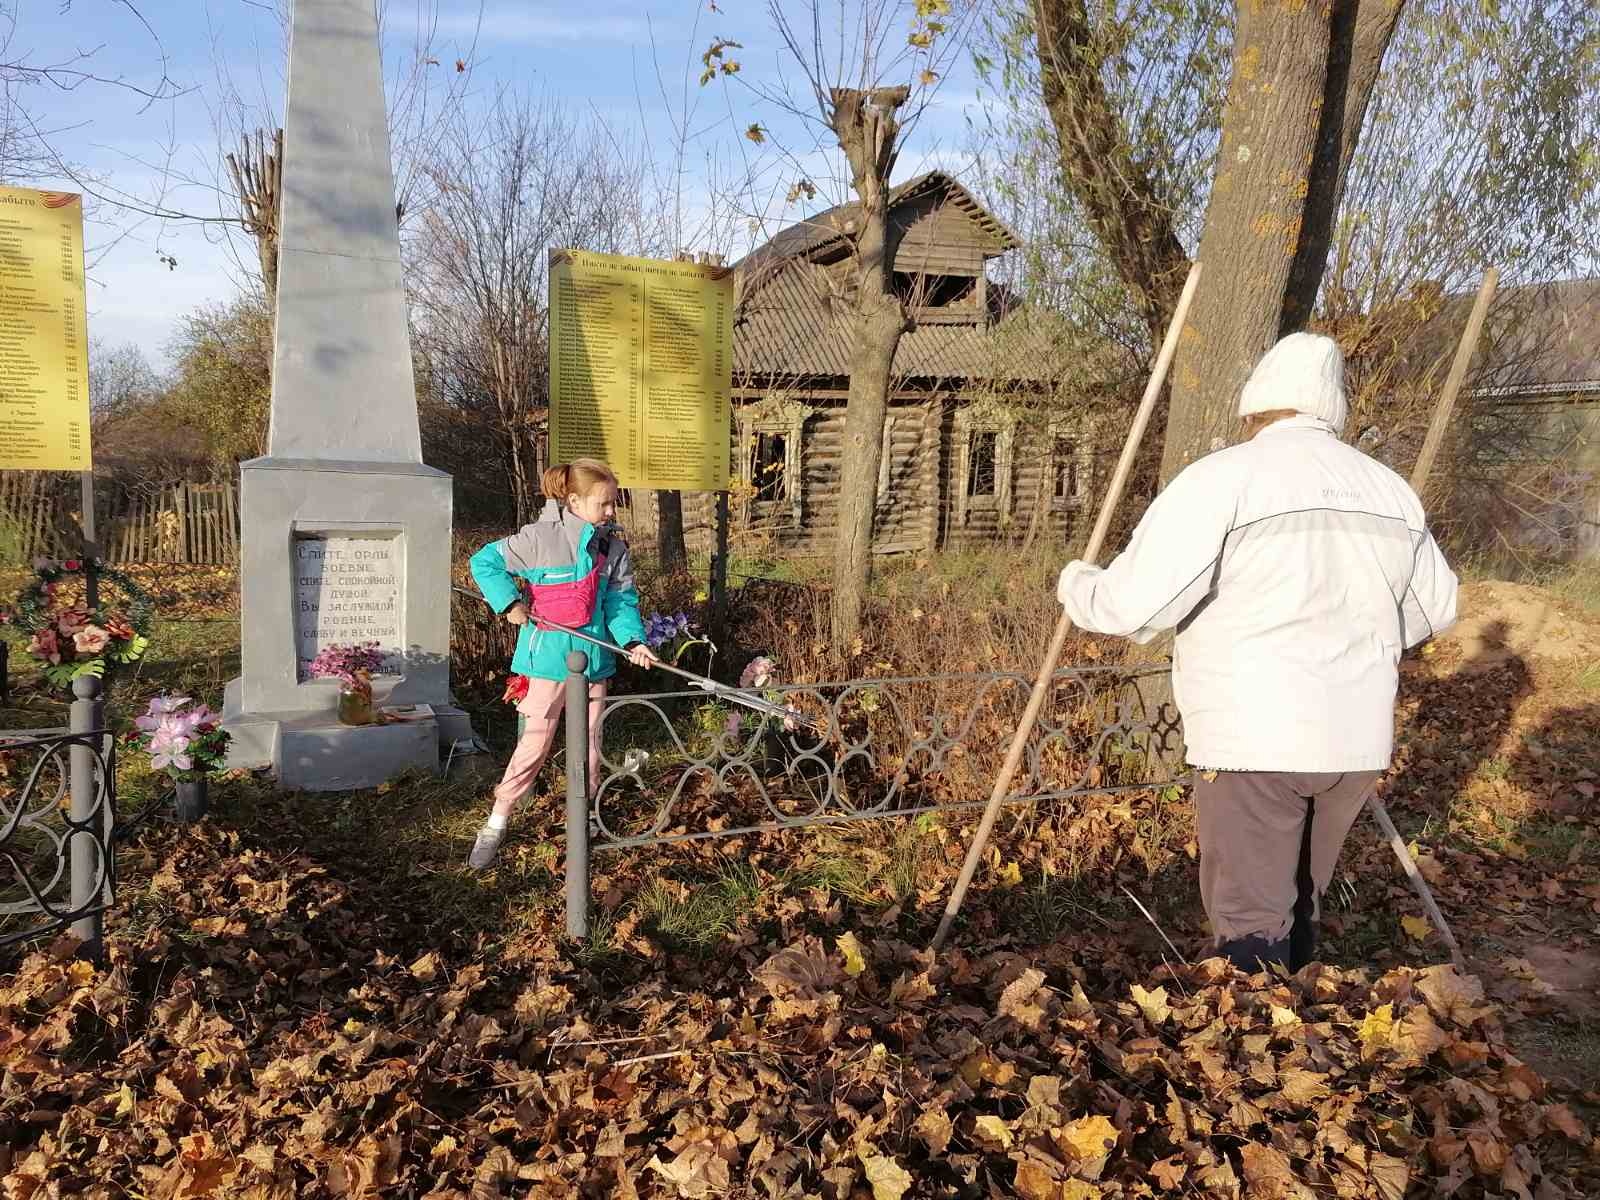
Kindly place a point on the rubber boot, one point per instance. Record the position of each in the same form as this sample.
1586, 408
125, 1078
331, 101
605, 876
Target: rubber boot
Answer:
1255, 953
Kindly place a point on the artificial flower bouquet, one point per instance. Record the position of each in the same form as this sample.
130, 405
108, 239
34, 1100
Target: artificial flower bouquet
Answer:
182, 737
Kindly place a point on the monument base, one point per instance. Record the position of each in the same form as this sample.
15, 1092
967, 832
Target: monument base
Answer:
314, 752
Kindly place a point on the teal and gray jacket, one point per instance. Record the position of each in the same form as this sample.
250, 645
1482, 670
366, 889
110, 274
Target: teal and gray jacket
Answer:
571, 572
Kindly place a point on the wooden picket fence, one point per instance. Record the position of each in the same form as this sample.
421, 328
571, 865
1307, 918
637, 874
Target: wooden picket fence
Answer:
183, 523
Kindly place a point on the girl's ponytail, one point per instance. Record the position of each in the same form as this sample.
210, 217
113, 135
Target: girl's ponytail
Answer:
553, 483
577, 478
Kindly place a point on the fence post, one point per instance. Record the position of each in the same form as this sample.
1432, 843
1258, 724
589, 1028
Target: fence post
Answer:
87, 715
577, 796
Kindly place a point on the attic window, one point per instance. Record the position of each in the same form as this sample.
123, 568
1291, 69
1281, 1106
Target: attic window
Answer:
936, 291
981, 453
768, 467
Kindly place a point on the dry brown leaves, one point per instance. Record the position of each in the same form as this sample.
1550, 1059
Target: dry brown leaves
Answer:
290, 1043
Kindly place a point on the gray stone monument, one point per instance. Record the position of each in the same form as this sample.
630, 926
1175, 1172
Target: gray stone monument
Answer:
345, 533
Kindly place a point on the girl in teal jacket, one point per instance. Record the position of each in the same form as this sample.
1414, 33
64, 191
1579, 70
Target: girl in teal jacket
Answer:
570, 566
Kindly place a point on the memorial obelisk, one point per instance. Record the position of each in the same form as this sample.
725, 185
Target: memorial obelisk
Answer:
345, 532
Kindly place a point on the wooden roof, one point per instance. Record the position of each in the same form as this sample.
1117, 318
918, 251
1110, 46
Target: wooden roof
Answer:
792, 328
1540, 340
815, 235
788, 324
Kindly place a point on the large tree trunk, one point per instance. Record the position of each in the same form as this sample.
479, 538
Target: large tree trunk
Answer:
867, 130
1302, 75
1359, 35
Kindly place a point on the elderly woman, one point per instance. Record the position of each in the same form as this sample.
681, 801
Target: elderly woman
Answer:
1296, 571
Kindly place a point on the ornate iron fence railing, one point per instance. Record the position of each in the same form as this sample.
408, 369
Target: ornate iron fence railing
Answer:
57, 817
680, 766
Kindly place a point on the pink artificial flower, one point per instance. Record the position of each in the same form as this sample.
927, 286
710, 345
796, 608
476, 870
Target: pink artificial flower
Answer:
70, 620
735, 721
167, 749
117, 626
71, 564
46, 646
757, 674
91, 639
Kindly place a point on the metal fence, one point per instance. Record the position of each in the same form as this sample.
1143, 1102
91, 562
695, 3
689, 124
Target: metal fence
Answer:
681, 767
57, 821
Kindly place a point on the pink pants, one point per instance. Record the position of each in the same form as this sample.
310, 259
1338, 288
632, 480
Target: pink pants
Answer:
541, 709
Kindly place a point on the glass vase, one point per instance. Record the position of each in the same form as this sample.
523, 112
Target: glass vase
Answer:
355, 706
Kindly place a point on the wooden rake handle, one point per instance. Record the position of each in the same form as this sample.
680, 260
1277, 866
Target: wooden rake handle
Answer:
1041, 687
1419, 481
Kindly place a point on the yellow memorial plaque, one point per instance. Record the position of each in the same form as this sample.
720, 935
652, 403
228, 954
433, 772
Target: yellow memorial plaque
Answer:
44, 350
641, 368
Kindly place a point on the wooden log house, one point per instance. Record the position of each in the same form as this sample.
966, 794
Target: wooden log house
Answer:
958, 466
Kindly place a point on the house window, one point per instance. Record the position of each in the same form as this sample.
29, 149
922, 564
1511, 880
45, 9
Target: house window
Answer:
768, 458
980, 478
981, 454
1064, 467
768, 467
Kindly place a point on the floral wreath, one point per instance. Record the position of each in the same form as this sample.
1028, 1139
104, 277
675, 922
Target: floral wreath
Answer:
69, 642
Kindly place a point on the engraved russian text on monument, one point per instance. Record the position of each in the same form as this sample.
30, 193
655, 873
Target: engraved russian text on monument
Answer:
347, 591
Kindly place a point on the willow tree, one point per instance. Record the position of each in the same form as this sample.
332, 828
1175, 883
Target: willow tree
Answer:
1236, 132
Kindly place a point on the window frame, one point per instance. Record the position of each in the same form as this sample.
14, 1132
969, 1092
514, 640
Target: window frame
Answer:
1067, 431
786, 418
983, 417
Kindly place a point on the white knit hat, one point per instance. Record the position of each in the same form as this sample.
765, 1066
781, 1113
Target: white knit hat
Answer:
1305, 372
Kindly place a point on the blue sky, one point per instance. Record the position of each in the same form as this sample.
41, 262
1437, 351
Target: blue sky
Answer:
596, 55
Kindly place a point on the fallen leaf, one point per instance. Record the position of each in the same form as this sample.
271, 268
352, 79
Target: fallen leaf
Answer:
1087, 1143
1417, 928
854, 961
1376, 1030
935, 1130
1015, 1000
889, 1180
1010, 874
1154, 1004
1033, 1182
993, 1131
1560, 1118
1454, 997
1270, 1174
426, 968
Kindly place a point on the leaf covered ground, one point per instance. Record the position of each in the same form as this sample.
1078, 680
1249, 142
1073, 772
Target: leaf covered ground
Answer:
308, 996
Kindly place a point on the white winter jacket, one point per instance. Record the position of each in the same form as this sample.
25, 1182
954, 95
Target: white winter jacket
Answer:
1295, 569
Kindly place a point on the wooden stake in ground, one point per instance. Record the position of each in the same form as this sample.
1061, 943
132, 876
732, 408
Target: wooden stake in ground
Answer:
1419, 480
1097, 537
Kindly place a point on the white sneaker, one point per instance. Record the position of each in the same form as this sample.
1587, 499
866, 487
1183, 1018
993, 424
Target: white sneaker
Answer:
485, 847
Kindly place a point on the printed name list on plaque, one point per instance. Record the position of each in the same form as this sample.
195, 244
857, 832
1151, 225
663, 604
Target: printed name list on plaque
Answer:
44, 352
641, 367
347, 591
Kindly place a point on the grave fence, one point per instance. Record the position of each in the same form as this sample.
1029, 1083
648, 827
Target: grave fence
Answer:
683, 766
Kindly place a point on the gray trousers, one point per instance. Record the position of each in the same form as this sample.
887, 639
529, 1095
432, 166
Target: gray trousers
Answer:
1266, 837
